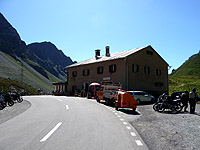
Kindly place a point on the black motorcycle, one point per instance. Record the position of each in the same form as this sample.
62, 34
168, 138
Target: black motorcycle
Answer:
167, 103
8, 99
157, 104
16, 97
2, 103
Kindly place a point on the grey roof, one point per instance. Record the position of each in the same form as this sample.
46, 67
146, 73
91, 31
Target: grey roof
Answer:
113, 56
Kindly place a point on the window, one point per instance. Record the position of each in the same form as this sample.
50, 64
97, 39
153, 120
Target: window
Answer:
140, 93
100, 70
158, 72
112, 68
86, 72
135, 68
74, 73
149, 52
146, 70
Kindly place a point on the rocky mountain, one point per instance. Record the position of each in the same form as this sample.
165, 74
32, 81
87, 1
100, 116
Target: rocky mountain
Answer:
36, 58
50, 58
10, 41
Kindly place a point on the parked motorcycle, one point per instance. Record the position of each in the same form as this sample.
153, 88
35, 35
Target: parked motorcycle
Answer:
16, 97
2, 103
159, 101
8, 99
165, 102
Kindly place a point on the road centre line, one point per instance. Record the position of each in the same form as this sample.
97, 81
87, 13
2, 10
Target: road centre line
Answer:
67, 107
138, 142
51, 132
59, 100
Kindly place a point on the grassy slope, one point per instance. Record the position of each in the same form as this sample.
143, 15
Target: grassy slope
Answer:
182, 83
9, 68
190, 68
187, 76
8, 85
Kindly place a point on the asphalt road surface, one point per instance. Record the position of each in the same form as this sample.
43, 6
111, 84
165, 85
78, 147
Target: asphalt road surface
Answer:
69, 123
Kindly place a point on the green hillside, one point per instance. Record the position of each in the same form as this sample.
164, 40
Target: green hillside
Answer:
190, 68
22, 72
182, 83
8, 85
187, 76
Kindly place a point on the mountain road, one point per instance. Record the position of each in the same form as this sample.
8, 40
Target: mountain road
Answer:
61, 123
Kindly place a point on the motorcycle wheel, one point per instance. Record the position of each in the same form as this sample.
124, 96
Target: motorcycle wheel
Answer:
10, 103
178, 108
155, 107
4, 104
19, 100
160, 108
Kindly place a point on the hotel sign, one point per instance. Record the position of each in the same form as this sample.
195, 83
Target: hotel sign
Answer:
106, 78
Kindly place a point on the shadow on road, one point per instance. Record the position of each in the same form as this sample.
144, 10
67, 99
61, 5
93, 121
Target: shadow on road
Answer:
129, 111
182, 112
198, 114
124, 110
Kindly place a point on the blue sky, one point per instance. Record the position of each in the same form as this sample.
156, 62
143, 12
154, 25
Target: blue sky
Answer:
78, 27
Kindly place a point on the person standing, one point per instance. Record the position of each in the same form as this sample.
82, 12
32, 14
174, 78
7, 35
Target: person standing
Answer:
185, 99
192, 100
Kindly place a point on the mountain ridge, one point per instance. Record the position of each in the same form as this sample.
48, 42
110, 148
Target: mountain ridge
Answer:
44, 57
49, 55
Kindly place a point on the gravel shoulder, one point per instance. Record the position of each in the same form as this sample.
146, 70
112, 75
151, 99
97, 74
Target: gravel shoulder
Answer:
168, 131
10, 112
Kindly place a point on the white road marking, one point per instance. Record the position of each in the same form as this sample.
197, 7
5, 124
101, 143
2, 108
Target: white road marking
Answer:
139, 143
113, 111
121, 119
133, 133
59, 100
118, 116
51, 132
128, 127
139, 112
124, 122
67, 107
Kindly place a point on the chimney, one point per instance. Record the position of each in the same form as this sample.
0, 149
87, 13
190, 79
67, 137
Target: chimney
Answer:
108, 51
97, 53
